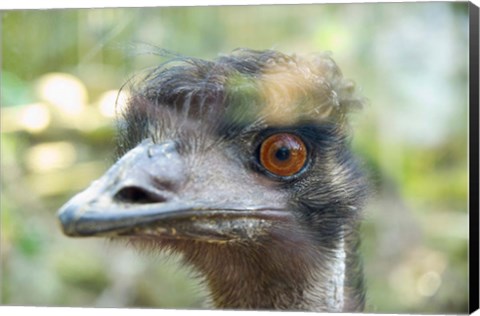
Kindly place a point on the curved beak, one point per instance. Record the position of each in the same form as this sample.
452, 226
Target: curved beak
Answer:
138, 196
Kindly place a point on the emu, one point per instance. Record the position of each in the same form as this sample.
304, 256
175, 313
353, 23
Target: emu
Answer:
243, 166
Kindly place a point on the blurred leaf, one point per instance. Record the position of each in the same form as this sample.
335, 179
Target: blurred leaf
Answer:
14, 90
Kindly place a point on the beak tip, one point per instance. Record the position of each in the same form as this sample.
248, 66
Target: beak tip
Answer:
66, 216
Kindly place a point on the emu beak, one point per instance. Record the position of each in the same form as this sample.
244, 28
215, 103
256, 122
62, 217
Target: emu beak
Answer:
130, 200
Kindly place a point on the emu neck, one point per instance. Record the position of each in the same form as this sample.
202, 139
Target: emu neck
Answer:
273, 277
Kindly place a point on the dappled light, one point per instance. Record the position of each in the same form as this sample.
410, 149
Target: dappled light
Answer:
112, 102
64, 91
49, 156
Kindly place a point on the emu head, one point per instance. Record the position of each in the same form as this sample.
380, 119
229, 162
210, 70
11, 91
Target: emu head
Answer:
243, 166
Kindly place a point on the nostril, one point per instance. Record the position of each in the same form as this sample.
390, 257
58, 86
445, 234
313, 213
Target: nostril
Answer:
138, 195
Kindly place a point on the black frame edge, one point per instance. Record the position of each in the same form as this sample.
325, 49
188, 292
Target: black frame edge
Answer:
473, 302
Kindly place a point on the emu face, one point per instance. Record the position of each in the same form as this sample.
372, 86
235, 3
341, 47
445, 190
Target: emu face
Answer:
242, 165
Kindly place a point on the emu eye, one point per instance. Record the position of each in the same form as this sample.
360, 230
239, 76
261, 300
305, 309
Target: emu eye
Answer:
283, 154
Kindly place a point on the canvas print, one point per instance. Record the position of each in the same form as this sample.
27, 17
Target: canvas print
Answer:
263, 157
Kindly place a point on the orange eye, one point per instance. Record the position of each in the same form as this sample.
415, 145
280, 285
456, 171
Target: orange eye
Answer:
283, 154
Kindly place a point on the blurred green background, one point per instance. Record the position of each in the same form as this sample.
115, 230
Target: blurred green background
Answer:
61, 70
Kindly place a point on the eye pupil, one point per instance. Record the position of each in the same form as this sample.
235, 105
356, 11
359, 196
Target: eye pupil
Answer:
282, 154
